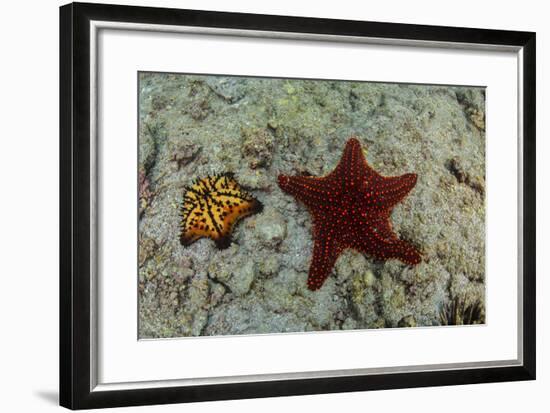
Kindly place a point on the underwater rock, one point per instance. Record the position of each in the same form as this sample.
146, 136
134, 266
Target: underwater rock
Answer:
454, 166
324, 305
230, 89
392, 300
457, 169
269, 265
285, 284
181, 275
146, 195
198, 291
349, 324
236, 276
148, 152
407, 321
217, 293
159, 102
369, 278
363, 298
474, 106
147, 247
199, 110
199, 322
270, 228
349, 263
251, 317
257, 147
242, 278
254, 179
148, 146
183, 153
477, 117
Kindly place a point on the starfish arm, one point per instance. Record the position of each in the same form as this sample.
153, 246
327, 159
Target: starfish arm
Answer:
312, 191
386, 192
382, 243
353, 166
325, 254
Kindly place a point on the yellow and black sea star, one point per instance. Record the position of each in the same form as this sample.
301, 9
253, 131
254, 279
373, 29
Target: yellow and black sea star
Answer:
211, 208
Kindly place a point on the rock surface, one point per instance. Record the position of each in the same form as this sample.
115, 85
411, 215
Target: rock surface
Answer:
193, 126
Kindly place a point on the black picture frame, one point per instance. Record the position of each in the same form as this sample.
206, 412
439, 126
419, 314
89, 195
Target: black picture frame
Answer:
75, 219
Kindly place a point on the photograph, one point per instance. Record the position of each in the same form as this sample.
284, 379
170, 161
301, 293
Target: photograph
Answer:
286, 205
264, 204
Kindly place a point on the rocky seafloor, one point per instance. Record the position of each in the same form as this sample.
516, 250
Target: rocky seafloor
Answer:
193, 126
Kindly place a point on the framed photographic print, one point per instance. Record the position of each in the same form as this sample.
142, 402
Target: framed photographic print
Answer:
258, 205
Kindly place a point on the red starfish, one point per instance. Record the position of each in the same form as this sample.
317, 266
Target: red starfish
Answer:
351, 208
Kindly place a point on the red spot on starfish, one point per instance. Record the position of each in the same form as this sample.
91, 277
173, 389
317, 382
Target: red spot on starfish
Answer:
351, 208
